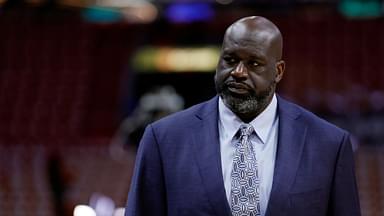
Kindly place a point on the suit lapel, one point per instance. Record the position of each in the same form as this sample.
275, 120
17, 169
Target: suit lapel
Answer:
291, 137
207, 154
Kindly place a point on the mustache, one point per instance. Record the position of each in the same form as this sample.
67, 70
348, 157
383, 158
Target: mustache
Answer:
235, 84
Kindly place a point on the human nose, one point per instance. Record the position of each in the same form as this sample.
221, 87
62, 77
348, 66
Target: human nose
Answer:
240, 70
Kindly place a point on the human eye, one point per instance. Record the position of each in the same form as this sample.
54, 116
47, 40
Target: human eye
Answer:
254, 63
230, 59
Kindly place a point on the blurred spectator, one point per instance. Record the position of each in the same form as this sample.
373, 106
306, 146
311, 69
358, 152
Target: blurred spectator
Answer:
153, 105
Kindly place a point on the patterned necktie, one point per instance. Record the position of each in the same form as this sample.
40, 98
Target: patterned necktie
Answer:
245, 182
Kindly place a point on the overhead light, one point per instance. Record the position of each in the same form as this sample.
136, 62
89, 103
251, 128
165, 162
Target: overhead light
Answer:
361, 8
140, 13
102, 15
177, 59
187, 12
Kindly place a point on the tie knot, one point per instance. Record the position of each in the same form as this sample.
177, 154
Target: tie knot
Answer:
246, 129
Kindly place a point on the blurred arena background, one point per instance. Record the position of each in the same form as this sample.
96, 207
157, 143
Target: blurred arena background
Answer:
79, 79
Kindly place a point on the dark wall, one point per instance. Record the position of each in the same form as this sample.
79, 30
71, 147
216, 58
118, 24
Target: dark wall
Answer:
63, 77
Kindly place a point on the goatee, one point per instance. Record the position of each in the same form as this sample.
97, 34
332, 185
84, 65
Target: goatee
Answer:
251, 103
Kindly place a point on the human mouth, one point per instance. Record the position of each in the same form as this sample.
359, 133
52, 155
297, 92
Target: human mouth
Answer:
238, 88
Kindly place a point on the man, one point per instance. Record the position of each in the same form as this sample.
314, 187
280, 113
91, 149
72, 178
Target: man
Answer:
246, 151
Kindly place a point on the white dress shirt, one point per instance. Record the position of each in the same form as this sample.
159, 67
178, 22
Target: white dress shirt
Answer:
264, 145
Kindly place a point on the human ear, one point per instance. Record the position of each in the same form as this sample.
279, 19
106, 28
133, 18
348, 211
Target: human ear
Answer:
280, 68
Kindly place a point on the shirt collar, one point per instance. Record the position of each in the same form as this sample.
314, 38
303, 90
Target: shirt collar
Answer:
262, 123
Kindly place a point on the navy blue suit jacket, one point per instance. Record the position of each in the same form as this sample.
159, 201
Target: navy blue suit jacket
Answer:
178, 167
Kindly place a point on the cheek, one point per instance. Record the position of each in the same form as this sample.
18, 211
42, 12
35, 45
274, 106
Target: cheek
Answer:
223, 70
265, 78
222, 75
218, 78
261, 82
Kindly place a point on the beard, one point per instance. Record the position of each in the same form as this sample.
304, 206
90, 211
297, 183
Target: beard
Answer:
248, 104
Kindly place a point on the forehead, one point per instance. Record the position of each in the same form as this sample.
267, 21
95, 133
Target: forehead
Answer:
256, 33
245, 35
247, 45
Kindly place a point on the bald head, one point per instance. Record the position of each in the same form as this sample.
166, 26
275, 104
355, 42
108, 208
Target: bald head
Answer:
259, 30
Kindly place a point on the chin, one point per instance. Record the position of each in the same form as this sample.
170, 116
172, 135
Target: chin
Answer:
241, 105
246, 105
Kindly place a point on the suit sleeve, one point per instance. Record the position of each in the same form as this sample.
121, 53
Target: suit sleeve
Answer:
146, 196
344, 194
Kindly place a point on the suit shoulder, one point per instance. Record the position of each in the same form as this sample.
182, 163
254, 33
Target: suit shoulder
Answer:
185, 117
316, 123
